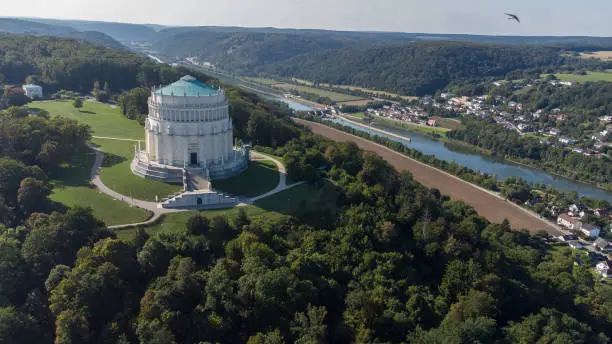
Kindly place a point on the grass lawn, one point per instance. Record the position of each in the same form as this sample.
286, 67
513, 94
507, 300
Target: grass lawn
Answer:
590, 76
73, 189
261, 177
370, 91
263, 81
116, 173
104, 120
334, 96
411, 126
448, 123
287, 202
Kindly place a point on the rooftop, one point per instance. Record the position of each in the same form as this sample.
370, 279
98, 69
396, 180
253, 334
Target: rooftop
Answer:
187, 86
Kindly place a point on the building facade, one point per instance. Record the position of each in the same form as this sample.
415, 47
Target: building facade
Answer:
188, 128
33, 91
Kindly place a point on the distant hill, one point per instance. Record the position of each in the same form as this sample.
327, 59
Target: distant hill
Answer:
416, 68
18, 26
122, 32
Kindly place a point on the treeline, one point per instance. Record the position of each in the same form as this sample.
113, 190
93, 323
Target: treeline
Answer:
383, 260
508, 144
417, 68
32, 149
58, 63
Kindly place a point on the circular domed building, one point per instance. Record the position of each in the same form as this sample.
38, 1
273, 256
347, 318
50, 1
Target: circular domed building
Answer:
188, 131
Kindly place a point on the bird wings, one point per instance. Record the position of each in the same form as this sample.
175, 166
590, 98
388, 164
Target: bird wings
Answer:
513, 17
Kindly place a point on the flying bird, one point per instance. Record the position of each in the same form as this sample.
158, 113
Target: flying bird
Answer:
513, 17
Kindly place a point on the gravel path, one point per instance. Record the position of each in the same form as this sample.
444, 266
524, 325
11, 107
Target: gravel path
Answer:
487, 204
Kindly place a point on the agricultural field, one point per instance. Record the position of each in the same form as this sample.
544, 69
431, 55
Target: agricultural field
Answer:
362, 102
602, 55
334, 96
263, 81
448, 123
591, 76
370, 91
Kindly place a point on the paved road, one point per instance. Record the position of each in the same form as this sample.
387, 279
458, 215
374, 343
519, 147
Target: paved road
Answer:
282, 181
486, 203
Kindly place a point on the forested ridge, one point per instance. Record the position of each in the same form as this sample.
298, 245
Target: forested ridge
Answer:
20, 26
59, 63
416, 68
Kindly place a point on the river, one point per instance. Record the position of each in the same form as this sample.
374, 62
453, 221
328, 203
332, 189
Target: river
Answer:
485, 164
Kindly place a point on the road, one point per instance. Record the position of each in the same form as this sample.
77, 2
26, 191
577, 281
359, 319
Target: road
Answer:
487, 204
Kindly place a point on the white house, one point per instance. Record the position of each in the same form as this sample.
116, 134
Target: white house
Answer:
33, 91
604, 268
590, 230
569, 222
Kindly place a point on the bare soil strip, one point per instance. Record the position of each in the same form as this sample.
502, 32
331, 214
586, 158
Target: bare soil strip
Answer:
486, 203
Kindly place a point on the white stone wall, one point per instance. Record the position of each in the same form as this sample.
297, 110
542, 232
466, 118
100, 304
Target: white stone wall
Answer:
178, 126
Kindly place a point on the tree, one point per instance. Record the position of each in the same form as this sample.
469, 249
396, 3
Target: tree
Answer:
242, 220
197, 225
32, 195
96, 88
78, 103
310, 327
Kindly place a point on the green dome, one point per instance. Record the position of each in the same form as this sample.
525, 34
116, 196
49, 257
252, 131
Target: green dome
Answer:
187, 86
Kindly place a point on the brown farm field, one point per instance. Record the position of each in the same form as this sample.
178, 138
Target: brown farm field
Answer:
487, 204
357, 102
334, 96
605, 55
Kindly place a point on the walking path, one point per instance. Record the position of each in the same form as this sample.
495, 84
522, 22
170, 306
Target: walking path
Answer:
282, 181
153, 207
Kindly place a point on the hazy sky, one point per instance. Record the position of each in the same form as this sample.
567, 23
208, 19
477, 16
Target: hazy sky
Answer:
539, 17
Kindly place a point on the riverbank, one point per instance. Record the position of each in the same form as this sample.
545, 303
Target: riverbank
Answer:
487, 203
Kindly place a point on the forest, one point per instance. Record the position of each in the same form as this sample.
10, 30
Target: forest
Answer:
379, 259
432, 65
59, 63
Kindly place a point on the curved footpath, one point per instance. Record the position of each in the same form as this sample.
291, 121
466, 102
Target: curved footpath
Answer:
487, 203
154, 207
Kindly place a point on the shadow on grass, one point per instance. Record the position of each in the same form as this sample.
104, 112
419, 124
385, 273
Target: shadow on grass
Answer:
111, 160
75, 173
87, 112
315, 205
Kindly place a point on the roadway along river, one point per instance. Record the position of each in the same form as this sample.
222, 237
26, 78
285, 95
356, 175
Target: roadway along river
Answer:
486, 165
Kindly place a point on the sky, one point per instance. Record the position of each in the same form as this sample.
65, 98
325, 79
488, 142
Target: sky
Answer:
538, 17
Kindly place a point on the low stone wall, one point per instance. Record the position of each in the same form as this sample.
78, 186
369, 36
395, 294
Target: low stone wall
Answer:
157, 173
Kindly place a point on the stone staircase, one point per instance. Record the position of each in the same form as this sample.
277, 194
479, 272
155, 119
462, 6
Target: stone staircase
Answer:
200, 199
157, 173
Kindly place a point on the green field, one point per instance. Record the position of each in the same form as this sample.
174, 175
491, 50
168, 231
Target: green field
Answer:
334, 96
288, 202
103, 120
261, 177
448, 123
263, 81
73, 188
411, 126
591, 76
106, 121
116, 174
